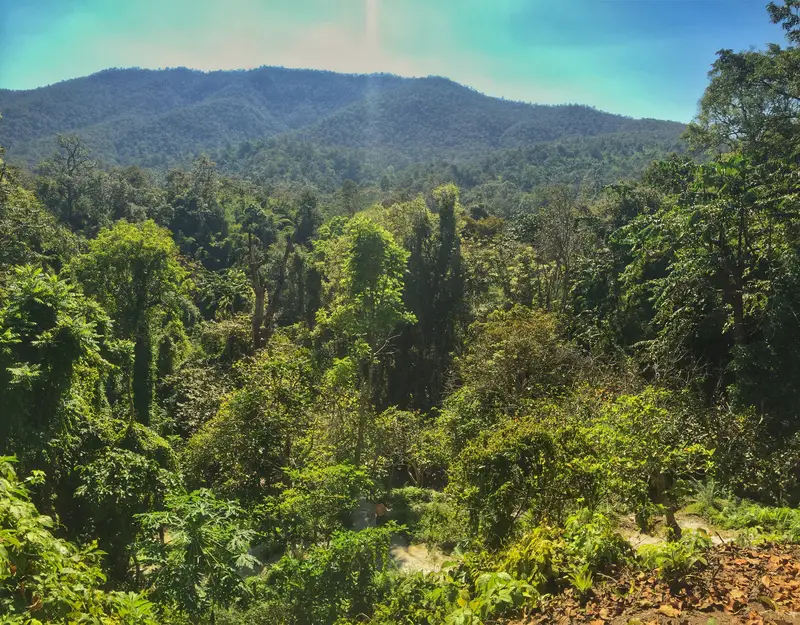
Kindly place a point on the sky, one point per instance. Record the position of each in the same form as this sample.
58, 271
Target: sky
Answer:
643, 58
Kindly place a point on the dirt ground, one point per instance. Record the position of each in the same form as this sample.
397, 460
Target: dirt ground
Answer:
755, 585
629, 529
415, 558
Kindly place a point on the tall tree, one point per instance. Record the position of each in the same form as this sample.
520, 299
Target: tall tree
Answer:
135, 272
752, 102
434, 293
261, 227
50, 334
367, 304
198, 221
66, 175
559, 240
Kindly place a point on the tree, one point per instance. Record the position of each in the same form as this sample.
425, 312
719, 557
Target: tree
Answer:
304, 221
4, 183
753, 99
243, 450
501, 266
197, 220
67, 173
131, 476
367, 303
135, 272
262, 228
299, 297
718, 259
53, 348
434, 293
650, 446
516, 355
513, 358
276, 232
319, 502
711, 260
349, 193
559, 239
29, 234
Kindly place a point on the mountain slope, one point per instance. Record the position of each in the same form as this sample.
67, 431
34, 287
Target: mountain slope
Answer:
435, 117
157, 117
142, 116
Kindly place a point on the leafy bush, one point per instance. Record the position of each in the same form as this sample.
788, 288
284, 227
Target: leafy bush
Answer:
649, 449
429, 516
496, 595
416, 599
320, 501
514, 357
582, 580
443, 522
324, 584
47, 579
408, 503
193, 551
116, 485
548, 556
773, 523
533, 468
750, 459
675, 560
593, 542
537, 557
454, 598
242, 450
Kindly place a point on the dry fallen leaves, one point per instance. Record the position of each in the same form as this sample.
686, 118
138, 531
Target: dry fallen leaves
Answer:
737, 581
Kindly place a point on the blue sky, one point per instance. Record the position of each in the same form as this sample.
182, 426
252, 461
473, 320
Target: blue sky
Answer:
644, 58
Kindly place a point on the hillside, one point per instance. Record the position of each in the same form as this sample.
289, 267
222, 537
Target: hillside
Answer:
159, 117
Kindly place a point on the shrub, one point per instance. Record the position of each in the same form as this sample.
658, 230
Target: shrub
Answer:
775, 523
443, 523
649, 450
674, 560
320, 501
325, 584
538, 557
44, 579
593, 542
418, 599
496, 595
197, 570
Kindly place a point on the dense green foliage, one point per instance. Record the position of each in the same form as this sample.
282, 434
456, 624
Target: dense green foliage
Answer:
45, 579
238, 400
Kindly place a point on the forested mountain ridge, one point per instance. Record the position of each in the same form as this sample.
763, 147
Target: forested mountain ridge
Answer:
154, 117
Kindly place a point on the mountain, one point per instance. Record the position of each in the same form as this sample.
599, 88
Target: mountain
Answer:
160, 117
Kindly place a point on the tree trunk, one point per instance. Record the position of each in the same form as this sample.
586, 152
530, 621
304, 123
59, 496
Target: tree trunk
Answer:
260, 290
363, 413
258, 314
142, 375
272, 307
737, 302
